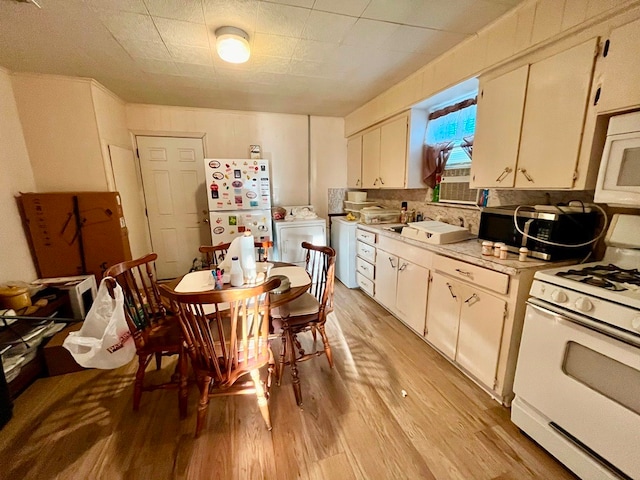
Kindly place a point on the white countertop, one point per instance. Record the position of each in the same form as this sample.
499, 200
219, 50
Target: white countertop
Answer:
469, 251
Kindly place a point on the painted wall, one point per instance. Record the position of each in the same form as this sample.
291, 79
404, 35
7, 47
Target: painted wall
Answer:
60, 131
228, 134
328, 149
15, 176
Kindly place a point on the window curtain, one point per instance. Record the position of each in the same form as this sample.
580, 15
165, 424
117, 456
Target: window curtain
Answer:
434, 160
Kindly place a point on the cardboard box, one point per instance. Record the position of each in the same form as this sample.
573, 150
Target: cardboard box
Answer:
57, 358
75, 233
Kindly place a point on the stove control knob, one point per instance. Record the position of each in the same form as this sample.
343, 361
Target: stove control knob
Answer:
635, 323
584, 304
559, 296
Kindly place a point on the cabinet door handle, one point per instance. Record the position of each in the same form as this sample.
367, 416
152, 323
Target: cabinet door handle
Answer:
526, 175
402, 267
357, 182
381, 181
464, 273
503, 175
376, 182
451, 290
391, 262
473, 298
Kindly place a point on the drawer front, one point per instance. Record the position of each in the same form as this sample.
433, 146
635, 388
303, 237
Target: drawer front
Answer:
365, 268
366, 251
496, 281
367, 237
417, 255
364, 283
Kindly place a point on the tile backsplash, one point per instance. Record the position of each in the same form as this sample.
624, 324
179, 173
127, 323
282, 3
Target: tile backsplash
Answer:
457, 214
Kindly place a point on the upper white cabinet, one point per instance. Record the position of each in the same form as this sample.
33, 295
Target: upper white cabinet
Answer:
620, 89
354, 162
390, 153
530, 123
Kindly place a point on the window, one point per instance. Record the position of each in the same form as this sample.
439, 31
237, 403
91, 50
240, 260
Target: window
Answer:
454, 121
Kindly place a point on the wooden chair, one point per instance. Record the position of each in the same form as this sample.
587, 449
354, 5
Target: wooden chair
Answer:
307, 313
155, 330
214, 254
227, 337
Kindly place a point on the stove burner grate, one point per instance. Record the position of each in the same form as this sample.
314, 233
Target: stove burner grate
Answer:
604, 276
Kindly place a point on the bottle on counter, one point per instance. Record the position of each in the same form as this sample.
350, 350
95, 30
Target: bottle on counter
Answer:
496, 249
487, 248
504, 251
523, 254
403, 212
237, 275
435, 197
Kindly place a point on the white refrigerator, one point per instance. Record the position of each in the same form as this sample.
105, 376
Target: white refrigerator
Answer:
239, 195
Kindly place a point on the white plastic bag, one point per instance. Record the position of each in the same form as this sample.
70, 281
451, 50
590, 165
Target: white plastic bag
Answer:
104, 341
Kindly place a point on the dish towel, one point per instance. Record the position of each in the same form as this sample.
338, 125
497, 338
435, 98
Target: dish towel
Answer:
233, 251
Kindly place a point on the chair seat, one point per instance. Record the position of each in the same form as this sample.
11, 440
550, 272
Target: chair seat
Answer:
307, 304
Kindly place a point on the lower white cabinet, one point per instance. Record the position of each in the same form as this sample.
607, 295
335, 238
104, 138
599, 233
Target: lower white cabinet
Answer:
466, 324
402, 286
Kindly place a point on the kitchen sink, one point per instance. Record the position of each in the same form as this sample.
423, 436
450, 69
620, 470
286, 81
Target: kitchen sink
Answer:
397, 229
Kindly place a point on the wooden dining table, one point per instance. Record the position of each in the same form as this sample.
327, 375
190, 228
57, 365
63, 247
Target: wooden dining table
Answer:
202, 281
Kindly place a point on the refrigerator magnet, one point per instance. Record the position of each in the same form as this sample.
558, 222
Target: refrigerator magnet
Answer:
218, 230
251, 194
236, 184
214, 164
218, 175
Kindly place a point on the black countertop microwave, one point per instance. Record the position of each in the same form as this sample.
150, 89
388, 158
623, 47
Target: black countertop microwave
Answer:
567, 228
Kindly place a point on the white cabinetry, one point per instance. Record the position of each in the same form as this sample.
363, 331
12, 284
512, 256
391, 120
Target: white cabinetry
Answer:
365, 261
539, 112
402, 281
466, 325
620, 88
390, 153
354, 162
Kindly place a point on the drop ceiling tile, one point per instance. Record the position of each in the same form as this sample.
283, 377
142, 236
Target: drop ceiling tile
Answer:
178, 32
132, 6
187, 54
295, 3
411, 39
273, 45
142, 49
304, 68
263, 63
370, 33
440, 42
193, 70
186, 10
327, 27
313, 51
130, 25
352, 7
281, 19
156, 66
399, 11
236, 13
462, 16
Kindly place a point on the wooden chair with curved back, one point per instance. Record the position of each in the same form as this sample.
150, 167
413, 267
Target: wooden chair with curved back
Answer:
307, 313
215, 254
227, 337
155, 330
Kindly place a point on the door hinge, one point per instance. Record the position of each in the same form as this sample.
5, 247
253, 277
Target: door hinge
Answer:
137, 153
506, 312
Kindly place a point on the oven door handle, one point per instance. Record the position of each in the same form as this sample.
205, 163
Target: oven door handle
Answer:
586, 322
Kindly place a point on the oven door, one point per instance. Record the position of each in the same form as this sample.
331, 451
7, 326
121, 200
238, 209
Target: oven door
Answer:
586, 383
619, 176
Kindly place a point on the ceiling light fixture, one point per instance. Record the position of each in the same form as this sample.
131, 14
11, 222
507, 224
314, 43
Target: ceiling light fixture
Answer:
232, 44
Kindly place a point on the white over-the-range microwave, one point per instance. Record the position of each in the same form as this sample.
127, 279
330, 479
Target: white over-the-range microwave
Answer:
619, 175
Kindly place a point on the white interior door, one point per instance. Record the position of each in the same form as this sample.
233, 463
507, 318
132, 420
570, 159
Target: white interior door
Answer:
129, 185
174, 187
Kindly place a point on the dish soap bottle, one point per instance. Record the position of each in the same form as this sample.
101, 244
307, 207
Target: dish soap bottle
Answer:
436, 189
237, 276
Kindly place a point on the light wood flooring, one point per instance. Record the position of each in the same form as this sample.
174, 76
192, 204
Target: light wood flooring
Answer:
355, 423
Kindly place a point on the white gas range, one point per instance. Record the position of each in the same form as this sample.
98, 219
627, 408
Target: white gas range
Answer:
577, 381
